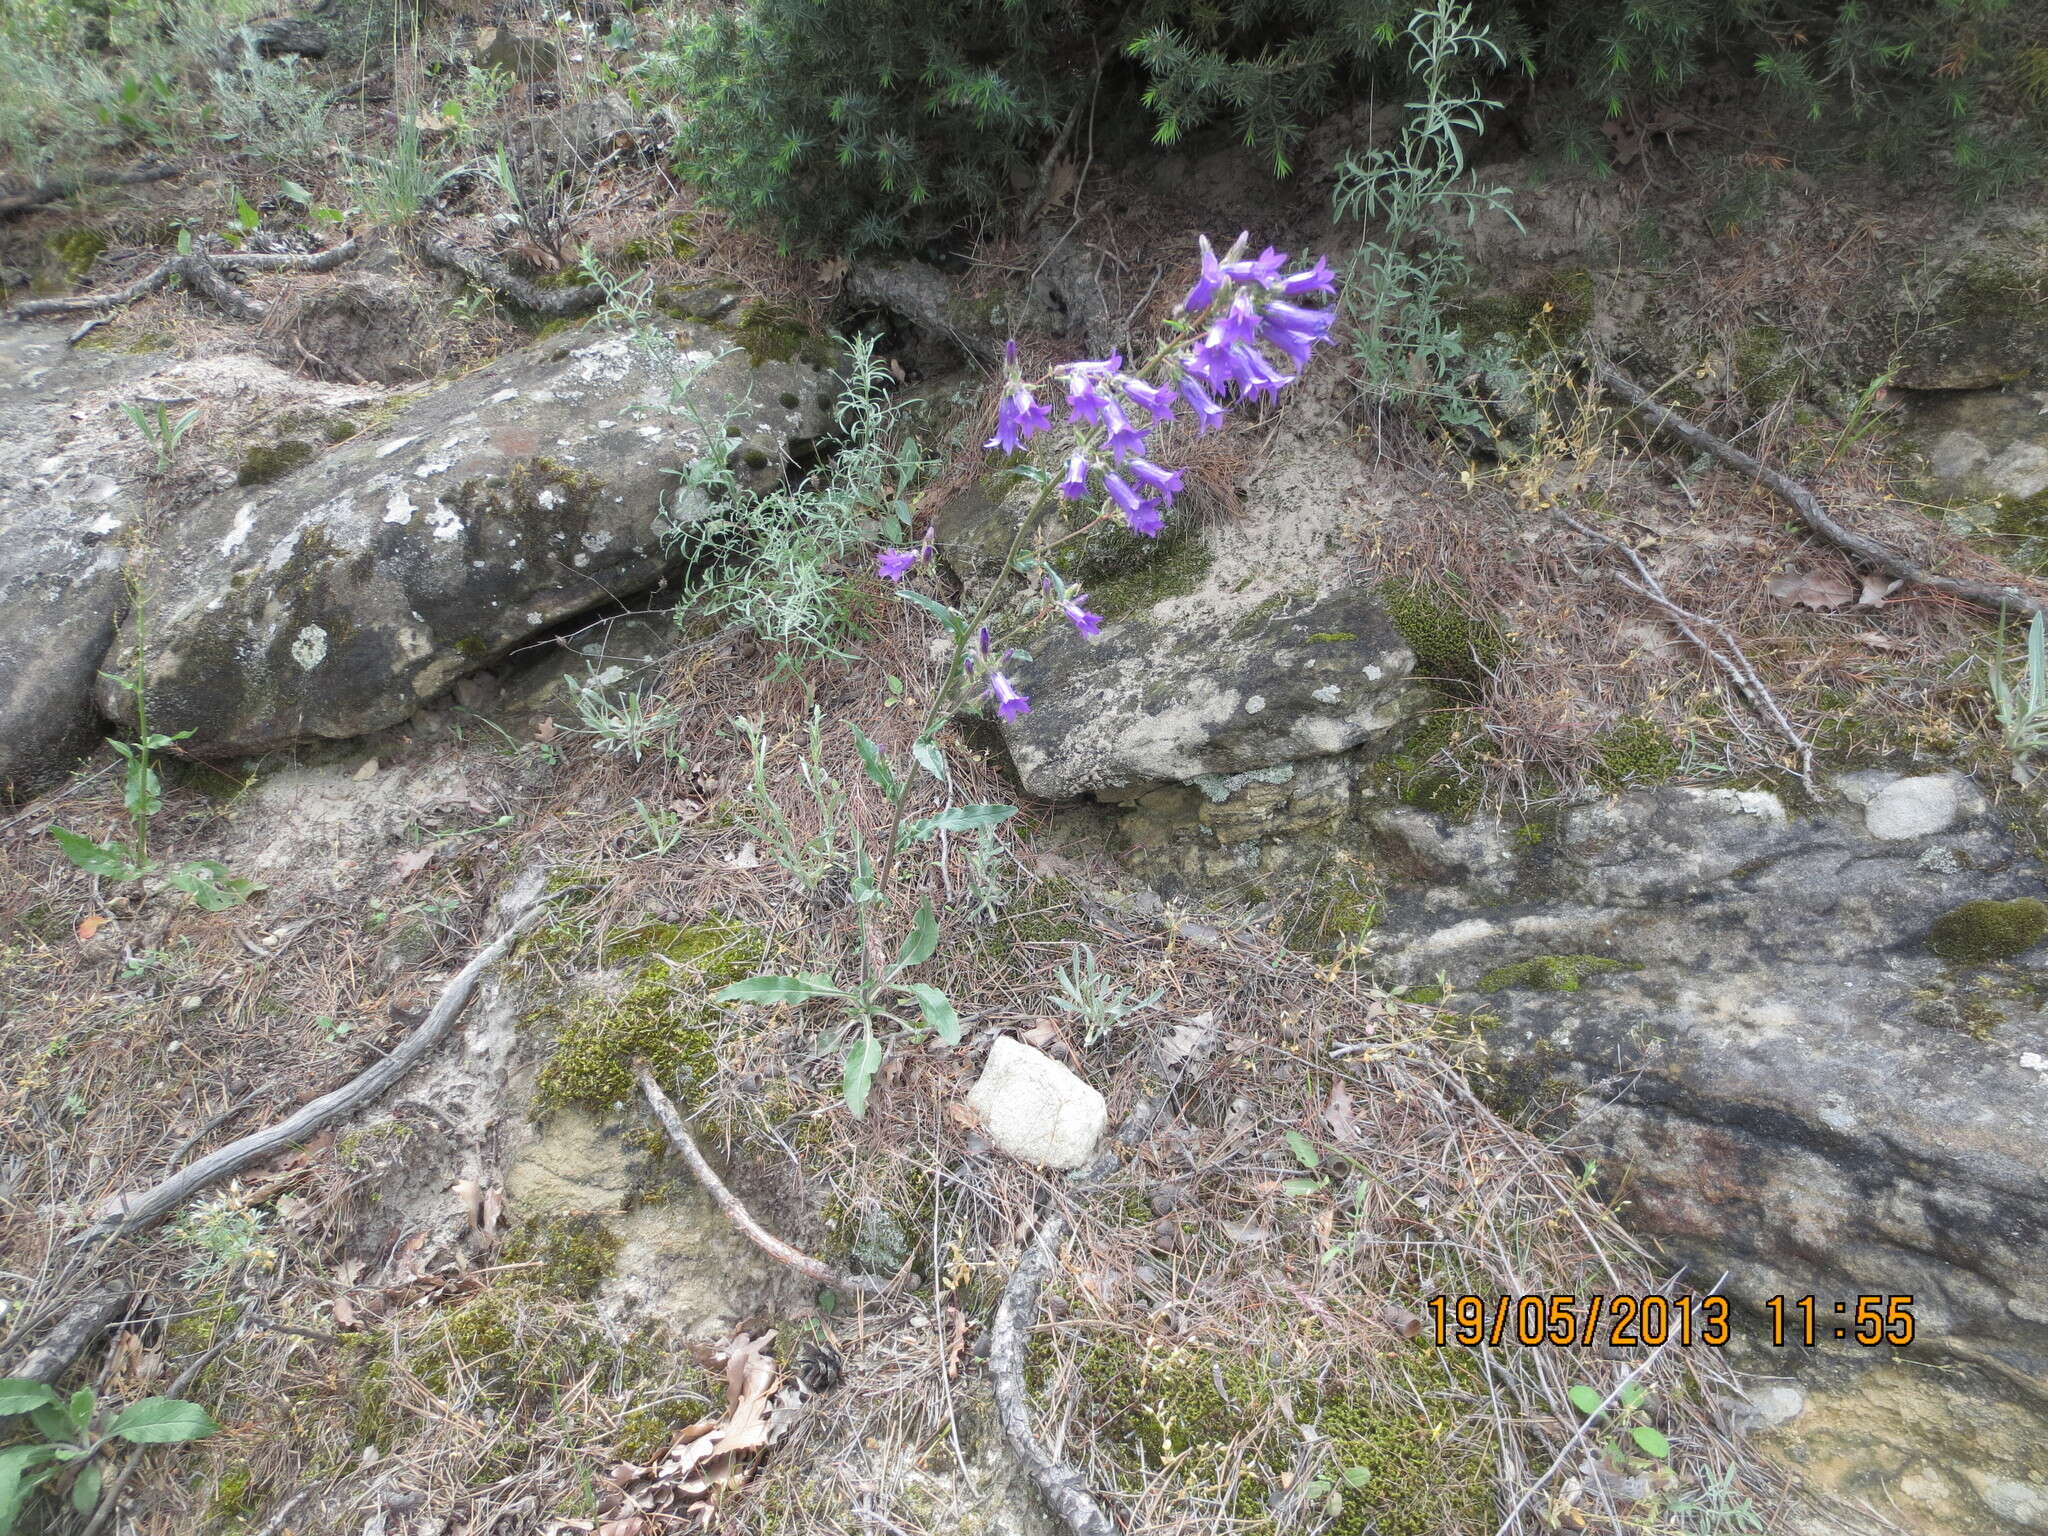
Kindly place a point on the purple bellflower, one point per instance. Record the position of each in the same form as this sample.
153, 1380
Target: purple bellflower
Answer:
1069, 600
1124, 439
1203, 294
1317, 279
1155, 398
1145, 519
981, 658
1020, 415
1009, 702
895, 564
1263, 269
1074, 483
1166, 484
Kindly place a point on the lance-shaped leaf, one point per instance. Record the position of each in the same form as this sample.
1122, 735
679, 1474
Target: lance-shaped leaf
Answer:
777, 989
162, 1420
863, 1061
922, 942
940, 1017
871, 758
961, 818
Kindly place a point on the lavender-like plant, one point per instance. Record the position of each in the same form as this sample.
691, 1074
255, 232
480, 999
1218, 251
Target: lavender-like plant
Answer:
1241, 335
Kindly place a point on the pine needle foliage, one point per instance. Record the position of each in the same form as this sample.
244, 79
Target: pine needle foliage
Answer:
859, 124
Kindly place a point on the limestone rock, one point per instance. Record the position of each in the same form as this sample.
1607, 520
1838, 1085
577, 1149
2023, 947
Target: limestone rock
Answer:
64, 509
75, 481
1220, 683
1916, 807
1743, 1021
1035, 1109
339, 598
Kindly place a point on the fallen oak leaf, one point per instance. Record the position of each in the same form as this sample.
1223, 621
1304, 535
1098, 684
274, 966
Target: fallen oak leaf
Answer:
1876, 589
1812, 589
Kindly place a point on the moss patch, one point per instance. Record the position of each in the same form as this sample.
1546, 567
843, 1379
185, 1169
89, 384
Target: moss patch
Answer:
1635, 752
660, 1017
1414, 1476
769, 333
1126, 573
574, 1255
1551, 973
1979, 932
1453, 648
76, 250
267, 461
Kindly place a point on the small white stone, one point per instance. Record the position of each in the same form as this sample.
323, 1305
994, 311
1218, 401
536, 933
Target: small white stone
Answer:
1255, 704
1035, 1109
1918, 807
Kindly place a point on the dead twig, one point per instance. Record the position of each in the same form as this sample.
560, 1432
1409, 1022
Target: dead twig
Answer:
735, 1209
489, 272
154, 1204
1732, 660
1060, 1485
1807, 505
55, 191
202, 274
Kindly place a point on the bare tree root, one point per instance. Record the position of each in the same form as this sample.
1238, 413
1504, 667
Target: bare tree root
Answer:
68, 1338
1807, 505
489, 272
56, 191
151, 1206
735, 1209
1062, 1488
1728, 656
202, 274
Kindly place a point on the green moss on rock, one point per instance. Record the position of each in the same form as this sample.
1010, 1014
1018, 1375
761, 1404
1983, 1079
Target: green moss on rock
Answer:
1453, 648
573, 1255
661, 1017
770, 333
76, 250
1125, 573
1551, 973
1979, 932
268, 461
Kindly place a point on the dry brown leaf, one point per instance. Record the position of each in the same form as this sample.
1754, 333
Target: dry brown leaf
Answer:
89, 926
471, 1194
1340, 1115
405, 865
1400, 1319
1881, 642
834, 272
1876, 589
1812, 589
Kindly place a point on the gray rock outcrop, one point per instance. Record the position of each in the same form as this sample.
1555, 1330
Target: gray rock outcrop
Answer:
1035, 1109
338, 599
1813, 1048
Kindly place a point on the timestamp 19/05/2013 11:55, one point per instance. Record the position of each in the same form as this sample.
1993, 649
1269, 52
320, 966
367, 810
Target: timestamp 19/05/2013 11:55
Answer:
1633, 1321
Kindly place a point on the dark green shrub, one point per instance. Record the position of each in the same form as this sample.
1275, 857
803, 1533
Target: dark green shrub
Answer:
871, 123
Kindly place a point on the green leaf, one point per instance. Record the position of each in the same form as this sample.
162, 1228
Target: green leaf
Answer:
923, 941
1304, 1150
777, 989
1586, 1399
18, 1394
1301, 1187
109, 860
245, 215
184, 242
932, 757
85, 1488
1650, 1440
297, 193
954, 623
939, 1015
52, 1421
863, 1061
961, 818
877, 766
210, 886
15, 1484
1357, 1477
162, 1420
81, 1409
1631, 1396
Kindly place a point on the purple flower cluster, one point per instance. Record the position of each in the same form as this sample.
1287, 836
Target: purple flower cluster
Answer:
1249, 328
981, 658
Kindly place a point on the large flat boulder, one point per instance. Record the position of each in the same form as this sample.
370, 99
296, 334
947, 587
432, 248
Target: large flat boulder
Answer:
341, 597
